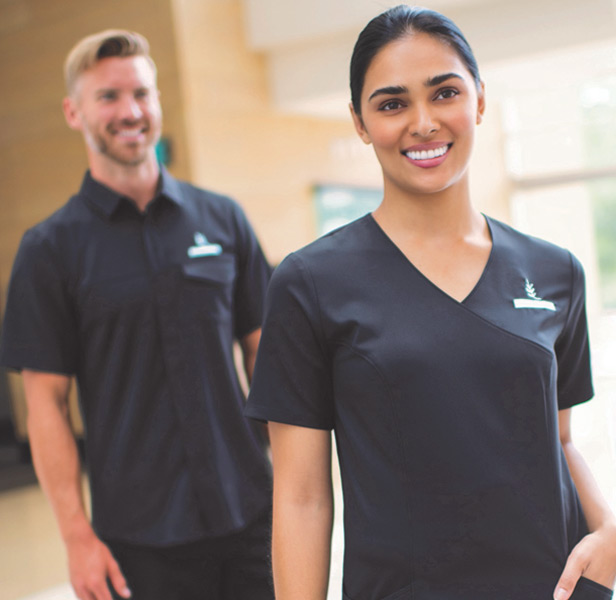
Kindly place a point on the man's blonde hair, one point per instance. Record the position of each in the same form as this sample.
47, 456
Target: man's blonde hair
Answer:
111, 42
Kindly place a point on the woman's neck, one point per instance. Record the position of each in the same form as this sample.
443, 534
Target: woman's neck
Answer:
445, 214
441, 234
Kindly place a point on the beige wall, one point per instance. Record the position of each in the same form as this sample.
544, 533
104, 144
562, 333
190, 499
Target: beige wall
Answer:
237, 144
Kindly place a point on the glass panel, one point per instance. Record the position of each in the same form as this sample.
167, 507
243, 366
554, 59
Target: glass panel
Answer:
338, 205
603, 197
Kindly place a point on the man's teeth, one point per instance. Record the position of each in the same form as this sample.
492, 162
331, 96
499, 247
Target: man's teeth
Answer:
426, 154
129, 132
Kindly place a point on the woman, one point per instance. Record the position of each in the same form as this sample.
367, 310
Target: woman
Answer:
445, 349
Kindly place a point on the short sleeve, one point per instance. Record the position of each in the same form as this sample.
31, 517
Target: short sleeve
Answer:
254, 273
572, 347
292, 378
39, 330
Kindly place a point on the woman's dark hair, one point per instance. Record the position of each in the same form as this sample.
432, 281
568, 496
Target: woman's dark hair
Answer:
396, 23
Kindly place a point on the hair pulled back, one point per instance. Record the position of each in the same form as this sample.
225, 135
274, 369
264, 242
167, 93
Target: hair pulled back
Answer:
396, 23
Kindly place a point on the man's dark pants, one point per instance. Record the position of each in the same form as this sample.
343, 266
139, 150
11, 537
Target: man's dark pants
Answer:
233, 567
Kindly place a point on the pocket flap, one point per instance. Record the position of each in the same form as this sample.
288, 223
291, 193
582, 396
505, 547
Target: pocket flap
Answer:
217, 269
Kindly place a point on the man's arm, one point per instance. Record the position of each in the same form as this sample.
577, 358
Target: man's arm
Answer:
595, 555
57, 464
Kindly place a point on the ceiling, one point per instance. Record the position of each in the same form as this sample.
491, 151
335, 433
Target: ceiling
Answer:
308, 45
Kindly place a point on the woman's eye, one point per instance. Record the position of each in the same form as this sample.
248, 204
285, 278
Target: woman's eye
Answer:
447, 94
390, 105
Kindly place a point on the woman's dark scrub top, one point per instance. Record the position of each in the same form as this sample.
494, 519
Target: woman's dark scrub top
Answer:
445, 413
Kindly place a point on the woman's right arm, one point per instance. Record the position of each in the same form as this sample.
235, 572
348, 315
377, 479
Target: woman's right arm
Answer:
303, 511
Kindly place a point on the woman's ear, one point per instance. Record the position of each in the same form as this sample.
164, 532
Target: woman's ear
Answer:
481, 101
359, 125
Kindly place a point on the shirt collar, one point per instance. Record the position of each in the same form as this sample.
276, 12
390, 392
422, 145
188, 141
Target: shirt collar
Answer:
169, 187
108, 200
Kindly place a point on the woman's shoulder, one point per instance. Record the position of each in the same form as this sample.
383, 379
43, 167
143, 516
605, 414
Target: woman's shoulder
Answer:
335, 249
523, 244
527, 253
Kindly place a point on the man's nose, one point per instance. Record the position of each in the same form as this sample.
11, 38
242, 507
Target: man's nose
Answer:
130, 108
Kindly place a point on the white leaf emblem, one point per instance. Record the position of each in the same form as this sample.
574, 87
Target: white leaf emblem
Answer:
530, 290
200, 239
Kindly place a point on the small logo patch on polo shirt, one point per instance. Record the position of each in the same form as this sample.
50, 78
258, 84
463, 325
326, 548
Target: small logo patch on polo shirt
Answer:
532, 300
203, 248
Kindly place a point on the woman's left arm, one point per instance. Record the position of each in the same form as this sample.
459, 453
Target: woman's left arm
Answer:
594, 556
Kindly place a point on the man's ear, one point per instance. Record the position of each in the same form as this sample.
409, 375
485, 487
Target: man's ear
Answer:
359, 126
71, 114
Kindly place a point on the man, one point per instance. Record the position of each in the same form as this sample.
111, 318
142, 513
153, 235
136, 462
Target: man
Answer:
138, 286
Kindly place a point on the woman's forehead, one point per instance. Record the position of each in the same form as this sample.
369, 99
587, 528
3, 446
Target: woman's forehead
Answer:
414, 57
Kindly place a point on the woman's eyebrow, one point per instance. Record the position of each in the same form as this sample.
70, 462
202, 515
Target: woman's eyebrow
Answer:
390, 90
438, 79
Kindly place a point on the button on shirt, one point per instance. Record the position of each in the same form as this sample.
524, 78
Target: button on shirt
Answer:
143, 307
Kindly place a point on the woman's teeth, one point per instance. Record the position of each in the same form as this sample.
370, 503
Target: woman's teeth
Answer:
426, 154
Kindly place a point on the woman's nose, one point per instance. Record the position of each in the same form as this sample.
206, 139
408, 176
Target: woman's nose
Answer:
423, 123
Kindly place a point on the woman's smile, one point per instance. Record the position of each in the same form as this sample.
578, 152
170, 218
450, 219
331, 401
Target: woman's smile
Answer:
429, 155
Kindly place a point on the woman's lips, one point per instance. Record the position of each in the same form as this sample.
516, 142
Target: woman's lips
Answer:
428, 155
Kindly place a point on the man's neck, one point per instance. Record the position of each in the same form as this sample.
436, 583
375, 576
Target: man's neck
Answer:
139, 183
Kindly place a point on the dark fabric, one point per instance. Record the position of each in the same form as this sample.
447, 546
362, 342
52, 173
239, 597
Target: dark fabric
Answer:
591, 590
445, 413
235, 567
143, 308
584, 590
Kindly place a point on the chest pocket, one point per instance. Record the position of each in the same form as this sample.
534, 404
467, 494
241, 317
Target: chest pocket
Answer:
207, 287
214, 270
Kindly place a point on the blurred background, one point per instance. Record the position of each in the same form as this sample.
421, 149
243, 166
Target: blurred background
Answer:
255, 100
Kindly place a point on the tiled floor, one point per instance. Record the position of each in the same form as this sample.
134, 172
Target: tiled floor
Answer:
31, 553
32, 562
60, 592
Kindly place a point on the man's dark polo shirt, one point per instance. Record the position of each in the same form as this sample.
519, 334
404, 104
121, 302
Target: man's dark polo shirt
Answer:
143, 308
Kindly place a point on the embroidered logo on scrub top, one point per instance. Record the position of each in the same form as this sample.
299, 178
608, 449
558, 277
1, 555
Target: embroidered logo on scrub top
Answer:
203, 248
532, 300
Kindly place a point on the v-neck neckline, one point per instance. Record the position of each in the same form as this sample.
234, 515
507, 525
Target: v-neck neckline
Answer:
408, 261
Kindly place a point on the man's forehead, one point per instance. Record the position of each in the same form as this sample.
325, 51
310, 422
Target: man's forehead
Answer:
116, 71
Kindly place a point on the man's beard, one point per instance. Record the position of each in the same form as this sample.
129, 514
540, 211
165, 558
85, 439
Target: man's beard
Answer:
124, 156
